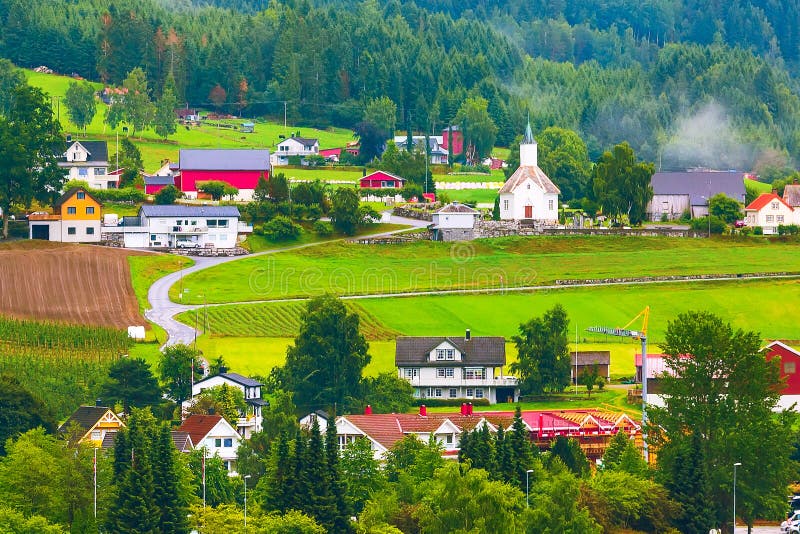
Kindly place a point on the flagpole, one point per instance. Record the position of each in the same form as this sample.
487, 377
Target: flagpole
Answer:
94, 473
576, 359
204, 478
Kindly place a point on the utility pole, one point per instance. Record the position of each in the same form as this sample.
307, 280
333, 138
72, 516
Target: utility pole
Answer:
284, 116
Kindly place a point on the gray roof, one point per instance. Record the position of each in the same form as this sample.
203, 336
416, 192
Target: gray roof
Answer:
214, 159
98, 150
455, 207
535, 174
791, 194
85, 416
305, 141
240, 379
172, 210
699, 184
589, 357
158, 180
479, 350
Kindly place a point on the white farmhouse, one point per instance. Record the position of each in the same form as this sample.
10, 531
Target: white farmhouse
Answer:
295, 146
769, 211
454, 222
456, 368
529, 194
215, 437
88, 161
251, 420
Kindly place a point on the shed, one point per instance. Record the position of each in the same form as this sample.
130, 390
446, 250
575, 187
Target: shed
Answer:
583, 360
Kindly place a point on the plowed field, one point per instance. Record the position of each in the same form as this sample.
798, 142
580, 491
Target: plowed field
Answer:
81, 284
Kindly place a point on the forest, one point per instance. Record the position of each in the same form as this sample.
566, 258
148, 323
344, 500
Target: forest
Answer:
686, 84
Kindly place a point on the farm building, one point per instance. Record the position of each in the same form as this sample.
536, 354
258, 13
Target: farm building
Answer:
451, 136
529, 194
584, 360
88, 161
175, 226
240, 168
75, 219
454, 222
381, 180
677, 192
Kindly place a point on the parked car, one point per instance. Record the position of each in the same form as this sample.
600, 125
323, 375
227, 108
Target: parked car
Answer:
739, 224
792, 524
186, 243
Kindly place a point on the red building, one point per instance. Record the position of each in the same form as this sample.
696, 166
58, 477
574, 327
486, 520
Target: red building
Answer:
458, 140
381, 180
154, 184
239, 168
790, 371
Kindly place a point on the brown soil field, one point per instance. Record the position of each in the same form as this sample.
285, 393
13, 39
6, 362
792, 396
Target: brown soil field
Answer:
80, 284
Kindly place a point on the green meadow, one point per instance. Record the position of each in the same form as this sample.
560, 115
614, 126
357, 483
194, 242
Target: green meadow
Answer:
345, 268
471, 196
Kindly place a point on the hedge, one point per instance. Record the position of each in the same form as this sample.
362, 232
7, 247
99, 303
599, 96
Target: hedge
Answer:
438, 403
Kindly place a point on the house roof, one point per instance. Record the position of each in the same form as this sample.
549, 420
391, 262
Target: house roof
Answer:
85, 416
219, 159
68, 195
198, 426
98, 150
174, 210
764, 199
533, 173
699, 184
589, 357
305, 141
456, 207
375, 174
181, 440
479, 350
158, 180
235, 377
791, 194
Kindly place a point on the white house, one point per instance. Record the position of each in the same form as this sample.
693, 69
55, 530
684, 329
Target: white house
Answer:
295, 146
438, 154
770, 211
215, 436
249, 422
456, 368
454, 222
88, 161
528, 193
178, 226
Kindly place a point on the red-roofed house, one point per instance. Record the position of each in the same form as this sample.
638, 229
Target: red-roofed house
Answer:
381, 180
214, 435
769, 211
790, 372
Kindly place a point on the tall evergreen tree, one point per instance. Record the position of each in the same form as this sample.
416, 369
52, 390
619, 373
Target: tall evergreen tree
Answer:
520, 449
167, 491
340, 520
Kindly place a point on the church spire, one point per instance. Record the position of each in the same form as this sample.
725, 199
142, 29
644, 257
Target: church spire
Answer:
528, 139
528, 151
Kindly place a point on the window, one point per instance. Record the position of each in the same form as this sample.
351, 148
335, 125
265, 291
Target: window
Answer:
789, 368
90, 231
228, 442
453, 393
218, 442
774, 205
469, 393
437, 392
411, 372
83, 172
223, 237
550, 204
448, 439
451, 354
72, 210
449, 372
71, 230
89, 210
505, 205
440, 354
96, 435
478, 393
529, 186
152, 237
440, 372
99, 171
194, 223
227, 465
81, 195
779, 218
770, 218
474, 373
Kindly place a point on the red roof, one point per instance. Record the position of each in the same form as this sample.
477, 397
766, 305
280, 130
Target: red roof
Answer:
198, 426
764, 199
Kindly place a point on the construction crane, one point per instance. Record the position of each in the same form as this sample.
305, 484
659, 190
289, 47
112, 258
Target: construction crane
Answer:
642, 336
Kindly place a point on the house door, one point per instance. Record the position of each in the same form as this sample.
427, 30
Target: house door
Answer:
529, 212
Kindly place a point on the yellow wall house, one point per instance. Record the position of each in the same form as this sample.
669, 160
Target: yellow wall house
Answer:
75, 219
92, 423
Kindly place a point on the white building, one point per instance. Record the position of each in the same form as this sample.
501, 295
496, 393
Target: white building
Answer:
215, 436
249, 422
295, 146
178, 226
770, 211
529, 194
456, 368
88, 161
454, 222
438, 154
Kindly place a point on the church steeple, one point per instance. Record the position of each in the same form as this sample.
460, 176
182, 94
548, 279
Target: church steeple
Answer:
528, 149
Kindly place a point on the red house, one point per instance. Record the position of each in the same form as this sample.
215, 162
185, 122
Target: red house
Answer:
154, 184
458, 140
790, 372
381, 180
239, 168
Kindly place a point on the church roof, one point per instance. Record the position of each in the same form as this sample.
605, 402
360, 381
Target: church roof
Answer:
533, 173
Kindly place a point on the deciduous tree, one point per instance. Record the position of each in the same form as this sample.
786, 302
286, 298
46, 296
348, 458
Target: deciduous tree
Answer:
20, 411
179, 366
167, 195
621, 184
543, 353
131, 382
81, 105
477, 127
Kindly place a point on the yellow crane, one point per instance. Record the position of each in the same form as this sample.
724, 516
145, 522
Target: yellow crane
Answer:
641, 335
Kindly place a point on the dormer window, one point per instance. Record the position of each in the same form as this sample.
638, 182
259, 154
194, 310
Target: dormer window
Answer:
774, 205
451, 354
440, 354
81, 195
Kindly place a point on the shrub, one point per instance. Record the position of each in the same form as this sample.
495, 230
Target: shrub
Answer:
128, 194
281, 228
323, 228
686, 216
434, 403
168, 195
664, 218
757, 230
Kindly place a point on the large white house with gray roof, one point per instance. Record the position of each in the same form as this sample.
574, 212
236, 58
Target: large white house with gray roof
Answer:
456, 367
175, 226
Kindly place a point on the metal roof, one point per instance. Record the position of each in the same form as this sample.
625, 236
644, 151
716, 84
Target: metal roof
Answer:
214, 159
481, 350
158, 180
174, 210
699, 185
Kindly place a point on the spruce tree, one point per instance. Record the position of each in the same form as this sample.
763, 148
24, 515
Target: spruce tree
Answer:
320, 503
503, 465
521, 451
174, 510
341, 510
689, 486
272, 490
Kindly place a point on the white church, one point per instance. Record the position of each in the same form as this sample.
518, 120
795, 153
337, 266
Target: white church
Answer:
529, 194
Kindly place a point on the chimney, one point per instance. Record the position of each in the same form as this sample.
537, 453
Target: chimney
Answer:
423, 410
211, 411
98, 403
368, 410
463, 408
469, 408
223, 369
467, 335
774, 191
794, 181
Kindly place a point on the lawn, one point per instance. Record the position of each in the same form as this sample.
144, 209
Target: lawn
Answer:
346, 268
146, 269
260, 243
470, 196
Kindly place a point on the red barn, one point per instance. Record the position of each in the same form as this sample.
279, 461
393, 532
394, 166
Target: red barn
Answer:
239, 168
790, 371
381, 180
154, 184
458, 140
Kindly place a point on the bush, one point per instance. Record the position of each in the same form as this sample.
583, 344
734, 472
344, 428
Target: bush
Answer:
757, 230
168, 195
435, 403
664, 218
701, 225
281, 228
686, 216
128, 194
323, 228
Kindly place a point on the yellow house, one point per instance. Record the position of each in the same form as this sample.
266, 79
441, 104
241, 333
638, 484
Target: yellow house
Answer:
75, 219
92, 423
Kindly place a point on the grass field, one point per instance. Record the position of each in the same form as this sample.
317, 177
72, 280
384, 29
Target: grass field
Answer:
146, 269
469, 196
259, 243
345, 268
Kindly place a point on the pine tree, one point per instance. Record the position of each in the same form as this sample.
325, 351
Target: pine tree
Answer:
341, 510
689, 486
520, 448
320, 503
504, 467
166, 490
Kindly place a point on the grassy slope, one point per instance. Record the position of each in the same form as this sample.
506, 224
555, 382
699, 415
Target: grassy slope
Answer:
343, 268
259, 243
148, 268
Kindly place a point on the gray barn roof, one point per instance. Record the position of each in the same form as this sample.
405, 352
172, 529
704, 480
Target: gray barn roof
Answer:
149, 210
158, 180
699, 184
481, 350
589, 357
213, 159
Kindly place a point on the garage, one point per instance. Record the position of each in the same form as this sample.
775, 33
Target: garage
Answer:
40, 231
